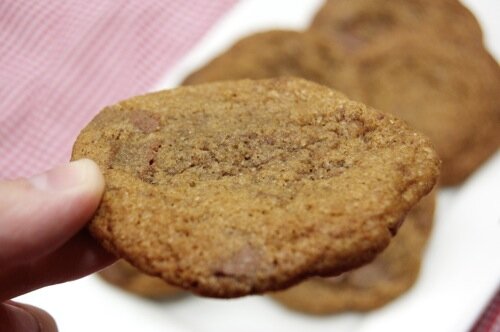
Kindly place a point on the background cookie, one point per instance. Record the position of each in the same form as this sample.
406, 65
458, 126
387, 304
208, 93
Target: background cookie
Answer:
392, 273
128, 278
446, 91
276, 53
247, 186
355, 24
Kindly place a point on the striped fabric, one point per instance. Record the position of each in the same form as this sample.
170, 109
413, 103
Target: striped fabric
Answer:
62, 61
490, 319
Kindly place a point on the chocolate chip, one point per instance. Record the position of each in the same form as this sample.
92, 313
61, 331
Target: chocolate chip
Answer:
145, 121
245, 261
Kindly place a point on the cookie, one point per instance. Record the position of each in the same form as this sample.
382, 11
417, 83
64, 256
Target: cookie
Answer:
355, 24
128, 278
391, 274
242, 187
446, 91
276, 53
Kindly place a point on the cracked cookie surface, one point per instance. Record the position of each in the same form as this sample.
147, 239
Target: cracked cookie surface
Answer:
242, 187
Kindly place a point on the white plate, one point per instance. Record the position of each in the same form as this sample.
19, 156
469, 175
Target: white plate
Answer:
460, 273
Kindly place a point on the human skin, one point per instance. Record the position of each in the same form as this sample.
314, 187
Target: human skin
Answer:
43, 240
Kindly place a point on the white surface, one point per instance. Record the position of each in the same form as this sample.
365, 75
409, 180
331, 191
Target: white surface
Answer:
460, 273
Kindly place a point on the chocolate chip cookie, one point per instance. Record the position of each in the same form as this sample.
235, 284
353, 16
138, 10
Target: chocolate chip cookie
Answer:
242, 187
276, 53
391, 274
355, 24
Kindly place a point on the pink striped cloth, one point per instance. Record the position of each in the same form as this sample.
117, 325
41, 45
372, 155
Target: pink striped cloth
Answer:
489, 321
62, 61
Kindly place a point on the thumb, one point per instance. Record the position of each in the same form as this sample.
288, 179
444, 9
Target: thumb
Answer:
40, 214
18, 317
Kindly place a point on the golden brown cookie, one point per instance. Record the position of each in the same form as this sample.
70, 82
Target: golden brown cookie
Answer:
276, 53
355, 24
243, 187
128, 278
392, 273
448, 92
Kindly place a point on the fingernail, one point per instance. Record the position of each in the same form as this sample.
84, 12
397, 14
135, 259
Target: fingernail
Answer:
65, 177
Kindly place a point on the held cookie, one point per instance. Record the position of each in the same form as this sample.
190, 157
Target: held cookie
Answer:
355, 24
449, 93
392, 273
242, 187
276, 53
128, 278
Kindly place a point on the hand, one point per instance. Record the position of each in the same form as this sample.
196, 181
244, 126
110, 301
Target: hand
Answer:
41, 238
